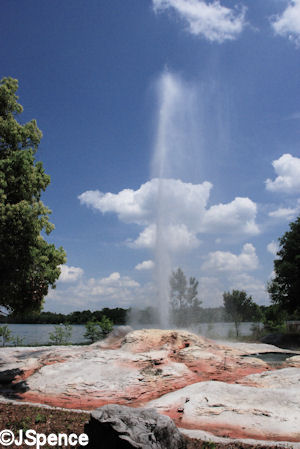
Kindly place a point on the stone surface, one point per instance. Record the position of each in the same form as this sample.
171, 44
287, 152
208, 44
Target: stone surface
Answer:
235, 411
128, 370
252, 348
284, 379
120, 427
200, 383
293, 361
209, 438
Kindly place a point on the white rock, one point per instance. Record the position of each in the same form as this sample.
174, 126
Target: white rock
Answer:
270, 412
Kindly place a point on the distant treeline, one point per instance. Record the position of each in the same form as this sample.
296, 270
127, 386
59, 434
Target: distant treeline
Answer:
127, 316
117, 316
202, 315
212, 315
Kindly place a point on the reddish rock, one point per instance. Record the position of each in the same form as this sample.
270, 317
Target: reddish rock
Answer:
138, 368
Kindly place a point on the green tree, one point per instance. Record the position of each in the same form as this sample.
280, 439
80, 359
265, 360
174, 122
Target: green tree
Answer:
240, 307
95, 330
106, 325
185, 305
178, 284
273, 318
284, 289
28, 264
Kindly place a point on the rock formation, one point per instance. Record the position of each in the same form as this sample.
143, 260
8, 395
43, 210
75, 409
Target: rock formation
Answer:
120, 427
200, 383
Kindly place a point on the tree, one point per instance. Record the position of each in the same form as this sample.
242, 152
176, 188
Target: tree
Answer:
95, 330
106, 325
185, 305
273, 317
240, 307
178, 285
284, 289
28, 264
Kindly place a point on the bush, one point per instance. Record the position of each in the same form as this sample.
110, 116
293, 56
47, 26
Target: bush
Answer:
96, 330
5, 334
61, 335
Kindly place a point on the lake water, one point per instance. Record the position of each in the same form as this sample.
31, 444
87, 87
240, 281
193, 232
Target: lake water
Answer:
38, 334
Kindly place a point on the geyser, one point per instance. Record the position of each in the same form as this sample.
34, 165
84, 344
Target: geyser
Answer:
176, 116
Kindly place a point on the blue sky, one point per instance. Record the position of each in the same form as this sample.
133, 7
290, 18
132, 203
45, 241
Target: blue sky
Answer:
97, 75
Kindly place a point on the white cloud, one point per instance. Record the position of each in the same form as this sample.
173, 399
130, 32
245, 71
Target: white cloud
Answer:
145, 265
179, 238
235, 217
140, 206
285, 213
288, 23
215, 22
273, 248
95, 293
287, 167
210, 291
253, 286
70, 274
112, 286
226, 261
183, 216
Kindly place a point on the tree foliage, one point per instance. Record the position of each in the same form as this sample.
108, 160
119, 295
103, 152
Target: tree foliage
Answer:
116, 315
28, 264
185, 305
240, 307
61, 335
95, 330
7, 337
284, 289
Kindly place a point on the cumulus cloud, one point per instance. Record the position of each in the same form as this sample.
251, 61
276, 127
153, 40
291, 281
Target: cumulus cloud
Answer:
140, 206
285, 213
273, 248
213, 21
211, 291
253, 286
114, 290
112, 286
184, 212
145, 265
287, 168
237, 216
70, 274
179, 238
228, 262
288, 23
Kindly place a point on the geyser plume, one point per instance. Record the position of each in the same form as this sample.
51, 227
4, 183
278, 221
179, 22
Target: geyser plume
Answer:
175, 116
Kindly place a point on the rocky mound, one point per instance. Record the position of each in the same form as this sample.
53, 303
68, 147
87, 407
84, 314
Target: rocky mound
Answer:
222, 385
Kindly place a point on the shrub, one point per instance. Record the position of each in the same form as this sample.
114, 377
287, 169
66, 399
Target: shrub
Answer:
61, 335
95, 330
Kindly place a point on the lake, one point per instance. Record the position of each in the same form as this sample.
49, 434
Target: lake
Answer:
38, 334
